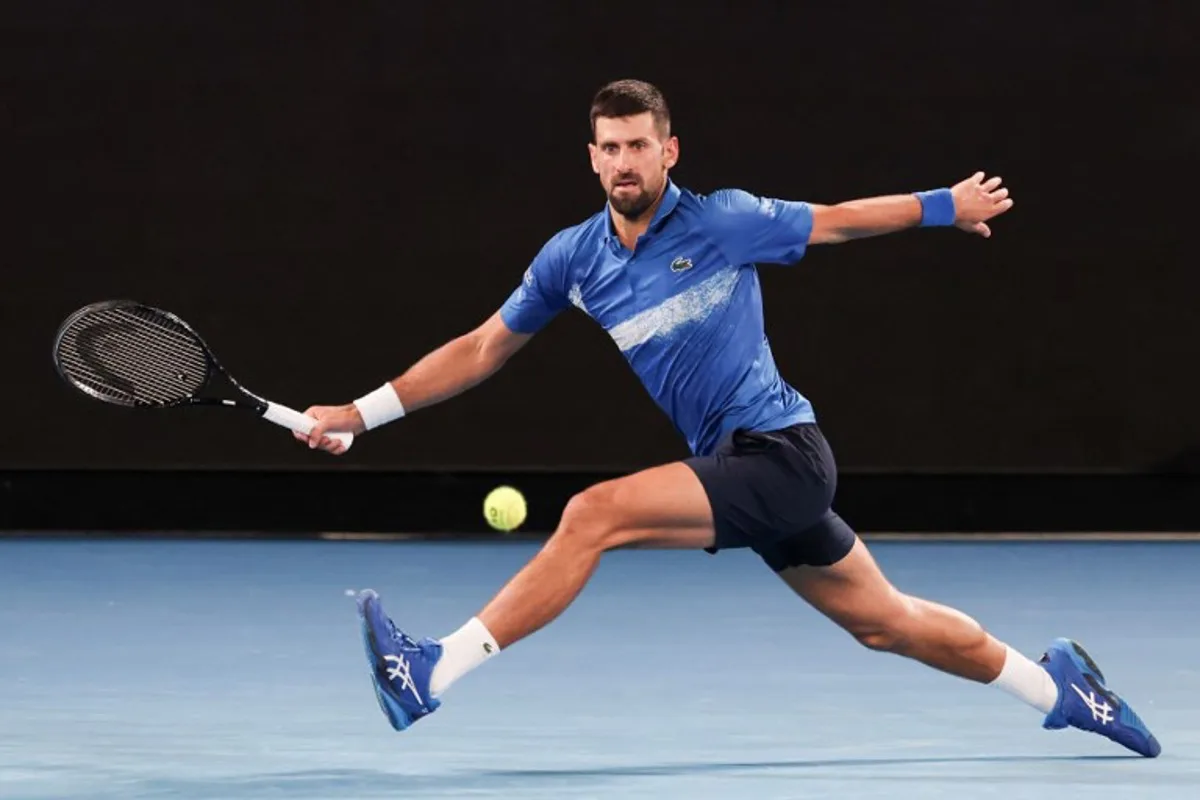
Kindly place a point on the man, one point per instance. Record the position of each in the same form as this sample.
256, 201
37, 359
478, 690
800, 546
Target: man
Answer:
670, 275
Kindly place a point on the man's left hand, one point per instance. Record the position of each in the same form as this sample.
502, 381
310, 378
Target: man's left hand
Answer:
976, 201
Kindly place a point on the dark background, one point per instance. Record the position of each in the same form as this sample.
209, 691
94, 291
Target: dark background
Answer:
328, 191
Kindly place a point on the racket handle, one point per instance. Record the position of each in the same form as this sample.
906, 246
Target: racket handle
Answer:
300, 423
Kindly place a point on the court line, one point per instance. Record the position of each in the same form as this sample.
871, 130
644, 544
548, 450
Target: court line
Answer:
482, 536
1058, 536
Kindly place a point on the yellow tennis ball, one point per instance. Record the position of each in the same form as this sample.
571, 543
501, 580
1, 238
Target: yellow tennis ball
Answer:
504, 508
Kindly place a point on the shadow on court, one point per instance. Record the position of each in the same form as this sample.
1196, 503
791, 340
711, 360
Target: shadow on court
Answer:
359, 782
741, 766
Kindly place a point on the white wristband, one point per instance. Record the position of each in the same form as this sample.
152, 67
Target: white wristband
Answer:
379, 407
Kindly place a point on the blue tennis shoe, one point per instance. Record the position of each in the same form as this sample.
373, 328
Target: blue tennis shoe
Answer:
1084, 701
400, 667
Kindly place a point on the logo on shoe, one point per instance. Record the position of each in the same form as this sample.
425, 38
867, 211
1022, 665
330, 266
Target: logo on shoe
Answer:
1102, 712
402, 672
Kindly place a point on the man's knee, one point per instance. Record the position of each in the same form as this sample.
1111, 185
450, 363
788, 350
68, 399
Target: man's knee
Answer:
590, 518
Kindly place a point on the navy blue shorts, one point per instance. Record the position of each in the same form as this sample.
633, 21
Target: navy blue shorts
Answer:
772, 491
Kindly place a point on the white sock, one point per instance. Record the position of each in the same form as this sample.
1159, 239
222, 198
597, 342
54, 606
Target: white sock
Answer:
462, 651
1027, 681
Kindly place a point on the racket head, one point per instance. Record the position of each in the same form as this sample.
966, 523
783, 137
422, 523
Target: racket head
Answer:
131, 354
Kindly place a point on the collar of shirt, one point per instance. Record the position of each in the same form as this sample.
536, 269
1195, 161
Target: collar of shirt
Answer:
669, 201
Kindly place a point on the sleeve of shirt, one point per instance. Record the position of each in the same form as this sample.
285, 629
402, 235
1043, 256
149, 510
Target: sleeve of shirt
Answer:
541, 295
749, 229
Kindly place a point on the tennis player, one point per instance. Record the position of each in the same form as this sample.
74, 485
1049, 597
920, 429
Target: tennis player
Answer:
670, 275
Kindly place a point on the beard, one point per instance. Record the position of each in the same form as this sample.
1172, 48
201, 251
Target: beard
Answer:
631, 204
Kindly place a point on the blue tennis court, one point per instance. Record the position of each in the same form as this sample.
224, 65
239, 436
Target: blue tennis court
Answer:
234, 669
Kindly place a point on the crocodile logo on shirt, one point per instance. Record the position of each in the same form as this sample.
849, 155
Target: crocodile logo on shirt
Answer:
680, 264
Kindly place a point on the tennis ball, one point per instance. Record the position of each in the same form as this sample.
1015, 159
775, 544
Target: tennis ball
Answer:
504, 508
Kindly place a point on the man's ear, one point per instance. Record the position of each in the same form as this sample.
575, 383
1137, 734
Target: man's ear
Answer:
671, 152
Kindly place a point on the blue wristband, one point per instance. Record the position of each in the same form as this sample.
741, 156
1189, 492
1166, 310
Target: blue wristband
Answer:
937, 208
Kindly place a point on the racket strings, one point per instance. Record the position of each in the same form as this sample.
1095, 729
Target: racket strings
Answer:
157, 353
125, 360
134, 357
136, 369
124, 374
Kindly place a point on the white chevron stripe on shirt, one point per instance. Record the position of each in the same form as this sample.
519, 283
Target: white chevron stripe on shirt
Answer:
692, 305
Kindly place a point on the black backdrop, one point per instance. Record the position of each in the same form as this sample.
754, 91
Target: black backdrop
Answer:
329, 194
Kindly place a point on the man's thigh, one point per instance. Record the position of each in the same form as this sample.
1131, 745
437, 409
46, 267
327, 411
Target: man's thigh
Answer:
854, 593
664, 506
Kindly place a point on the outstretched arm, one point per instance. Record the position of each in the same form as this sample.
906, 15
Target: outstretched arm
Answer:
968, 205
451, 369
458, 365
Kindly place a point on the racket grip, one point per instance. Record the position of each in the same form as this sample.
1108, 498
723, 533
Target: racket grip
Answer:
300, 423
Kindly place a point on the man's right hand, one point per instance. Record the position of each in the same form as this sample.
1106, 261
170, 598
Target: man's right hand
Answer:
339, 419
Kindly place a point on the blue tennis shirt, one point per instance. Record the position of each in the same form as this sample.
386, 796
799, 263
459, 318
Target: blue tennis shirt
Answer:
685, 307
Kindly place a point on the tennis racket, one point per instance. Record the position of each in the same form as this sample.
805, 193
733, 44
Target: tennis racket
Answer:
134, 355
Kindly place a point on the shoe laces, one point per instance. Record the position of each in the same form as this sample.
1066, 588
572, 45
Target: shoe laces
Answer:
399, 637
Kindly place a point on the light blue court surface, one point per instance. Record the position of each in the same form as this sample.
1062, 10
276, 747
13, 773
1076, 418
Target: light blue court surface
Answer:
235, 670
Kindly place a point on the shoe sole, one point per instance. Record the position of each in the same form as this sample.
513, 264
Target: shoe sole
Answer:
396, 715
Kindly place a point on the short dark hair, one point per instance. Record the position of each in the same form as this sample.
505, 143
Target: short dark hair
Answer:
628, 98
